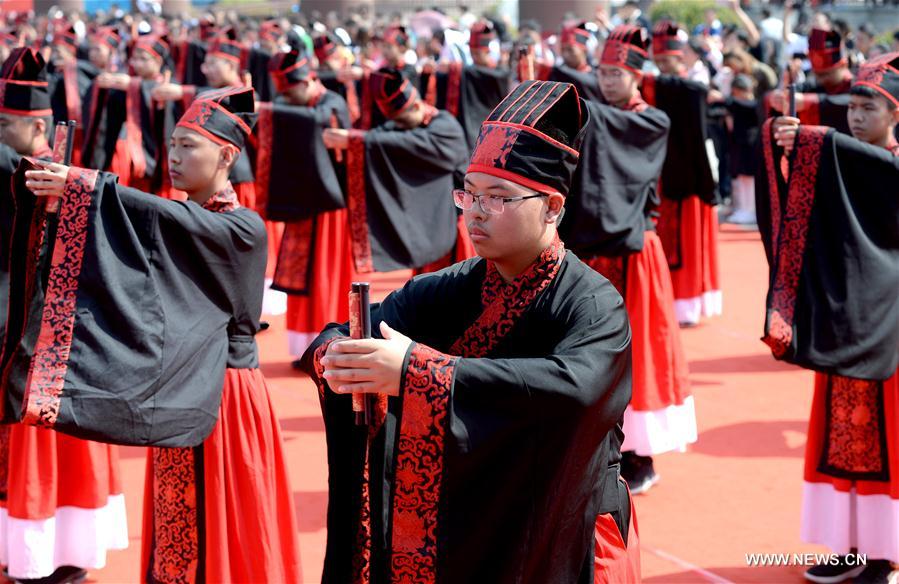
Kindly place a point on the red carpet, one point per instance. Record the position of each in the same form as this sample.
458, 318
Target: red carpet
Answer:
736, 492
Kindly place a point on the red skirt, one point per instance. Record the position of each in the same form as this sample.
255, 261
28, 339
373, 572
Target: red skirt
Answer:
842, 513
613, 560
698, 274
64, 503
329, 285
661, 415
226, 505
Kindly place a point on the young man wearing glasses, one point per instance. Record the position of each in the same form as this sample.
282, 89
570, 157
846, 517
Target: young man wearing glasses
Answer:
488, 453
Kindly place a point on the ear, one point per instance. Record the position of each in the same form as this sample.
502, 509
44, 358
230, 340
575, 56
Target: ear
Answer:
40, 127
555, 206
228, 156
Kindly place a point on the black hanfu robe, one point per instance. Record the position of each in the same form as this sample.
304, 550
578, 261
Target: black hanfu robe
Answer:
125, 310
493, 464
823, 107
399, 193
298, 179
9, 161
586, 81
104, 115
469, 93
831, 234
257, 65
615, 187
688, 170
69, 89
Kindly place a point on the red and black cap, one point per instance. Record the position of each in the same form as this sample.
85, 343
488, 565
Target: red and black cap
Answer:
481, 35
576, 35
825, 50
325, 45
23, 84
154, 44
533, 137
396, 35
271, 30
225, 116
882, 75
626, 47
226, 45
667, 40
392, 91
64, 34
107, 35
288, 69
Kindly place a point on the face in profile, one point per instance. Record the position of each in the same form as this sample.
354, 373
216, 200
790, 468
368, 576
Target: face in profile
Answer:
193, 160
144, 64
18, 132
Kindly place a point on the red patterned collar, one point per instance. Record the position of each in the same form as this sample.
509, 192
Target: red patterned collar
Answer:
44, 152
535, 277
223, 201
636, 104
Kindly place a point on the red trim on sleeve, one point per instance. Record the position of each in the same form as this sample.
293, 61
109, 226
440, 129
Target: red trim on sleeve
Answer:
356, 203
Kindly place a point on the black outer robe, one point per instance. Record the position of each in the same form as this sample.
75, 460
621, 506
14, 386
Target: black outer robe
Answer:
614, 188
586, 82
831, 236
103, 121
9, 161
150, 301
257, 65
528, 431
406, 180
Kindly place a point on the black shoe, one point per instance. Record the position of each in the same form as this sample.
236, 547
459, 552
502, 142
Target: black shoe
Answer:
876, 572
62, 575
642, 476
832, 573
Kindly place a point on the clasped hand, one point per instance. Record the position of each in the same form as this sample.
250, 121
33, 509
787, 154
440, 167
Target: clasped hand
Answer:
367, 365
48, 181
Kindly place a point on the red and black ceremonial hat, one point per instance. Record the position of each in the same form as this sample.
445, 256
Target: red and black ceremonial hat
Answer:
626, 48
64, 35
288, 69
153, 44
225, 116
576, 35
23, 84
392, 91
271, 30
882, 75
397, 36
825, 50
226, 45
533, 137
481, 35
325, 45
667, 40
108, 36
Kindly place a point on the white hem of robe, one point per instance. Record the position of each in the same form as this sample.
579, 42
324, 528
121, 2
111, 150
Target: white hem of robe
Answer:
690, 310
657, 431
842, 520
274, 302
74, 536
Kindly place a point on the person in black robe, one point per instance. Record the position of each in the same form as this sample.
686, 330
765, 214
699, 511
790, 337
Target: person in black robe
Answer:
829, 219
610, 224
687, 218
577, 44
338, 74
470, 92
122, 132
70, 82
167, 356
398, 175
104, 107
824, 100
302, 183
30, 551
271, 38
488, 454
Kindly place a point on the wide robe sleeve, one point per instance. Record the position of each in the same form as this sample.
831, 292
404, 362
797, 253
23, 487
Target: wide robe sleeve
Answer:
831, 235
9, 160
399, 194
124, 337
462, 425
615, 185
